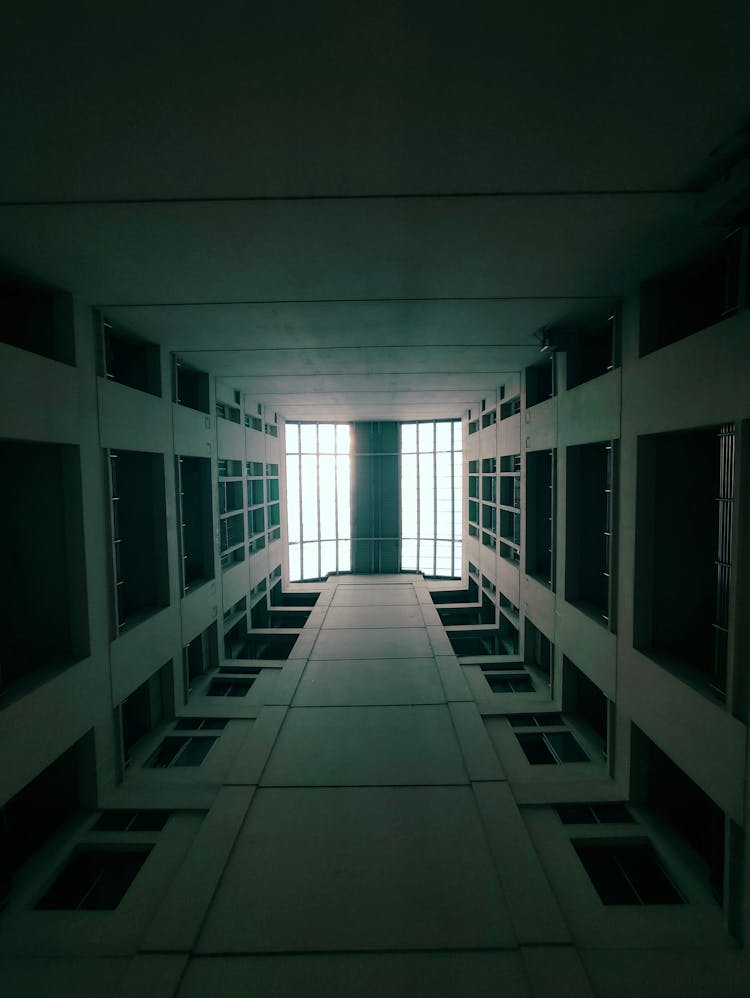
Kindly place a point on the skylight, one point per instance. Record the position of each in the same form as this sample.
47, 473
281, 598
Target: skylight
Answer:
318, 501
431, 498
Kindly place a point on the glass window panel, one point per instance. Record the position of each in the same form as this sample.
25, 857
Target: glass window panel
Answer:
327, 557
327, 497
292, 497
426, 436
535, 749
345, 556
195, 752
566, 747
458, 431
408, 495
427, 558
342, 496
326, 438
310, 494
310, 560
408, 438
606, 874
295, 563
309, 437
443, 436
291, 432
443, 551
409, 555
641, 867
342, 438
426, 496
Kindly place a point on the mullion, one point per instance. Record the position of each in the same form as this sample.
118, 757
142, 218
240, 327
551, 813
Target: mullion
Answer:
317, 476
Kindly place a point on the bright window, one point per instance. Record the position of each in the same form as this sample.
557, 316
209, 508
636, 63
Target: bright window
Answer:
318, 499
431, 498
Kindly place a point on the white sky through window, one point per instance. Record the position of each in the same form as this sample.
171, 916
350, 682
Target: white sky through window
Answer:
318, 472
431, 497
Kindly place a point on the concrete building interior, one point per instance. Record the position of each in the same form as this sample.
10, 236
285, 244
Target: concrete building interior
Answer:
375, 448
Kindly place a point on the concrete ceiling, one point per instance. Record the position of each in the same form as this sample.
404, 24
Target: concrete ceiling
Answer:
327, 204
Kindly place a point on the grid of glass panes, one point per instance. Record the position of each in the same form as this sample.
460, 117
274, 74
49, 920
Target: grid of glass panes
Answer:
431, 497
318, 500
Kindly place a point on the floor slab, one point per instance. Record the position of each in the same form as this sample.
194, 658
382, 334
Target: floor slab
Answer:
358, 975
370, 681
380, 868
364, 642
375, 616
374, 595
365, 746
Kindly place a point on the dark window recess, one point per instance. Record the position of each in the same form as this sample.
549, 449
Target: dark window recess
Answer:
473, 426
255, 492
200, 655
42, 585
145, 709
460, 616
272, 486
551, 748
232, 558
131, 821
36, 812
691, 812
510, 526
139, 534
510, 408
627, 873
585, 701
269, 646
229, 687
275, 534
696, 296
195, 518
271, 429
540, 382
130, 361
540, 513
180, 751
94, 880
589, 527
256, 521
468, 595
231, 532
489, 418
229, 412
255, 469
509, 553
37, 319
230, 495
605, 813
503, 641
473, 570
538, 650
191, 388
229, 469
510, 464
516, 683
510, 491
684, 552
274, 515
590, 351
272, 470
